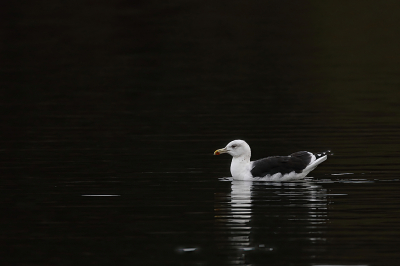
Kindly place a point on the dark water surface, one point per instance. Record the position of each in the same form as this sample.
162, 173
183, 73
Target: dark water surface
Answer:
111, 111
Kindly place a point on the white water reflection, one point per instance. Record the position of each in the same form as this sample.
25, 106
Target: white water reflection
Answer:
272, 219
240, 202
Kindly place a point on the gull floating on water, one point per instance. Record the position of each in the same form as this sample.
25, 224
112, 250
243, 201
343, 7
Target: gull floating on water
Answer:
276, 168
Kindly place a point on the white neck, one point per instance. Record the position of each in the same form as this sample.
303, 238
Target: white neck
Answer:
240, 168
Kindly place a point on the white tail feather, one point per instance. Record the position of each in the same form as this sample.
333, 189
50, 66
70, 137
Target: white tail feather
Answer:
314, 164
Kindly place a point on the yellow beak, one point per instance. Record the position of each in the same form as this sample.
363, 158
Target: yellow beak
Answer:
220, 151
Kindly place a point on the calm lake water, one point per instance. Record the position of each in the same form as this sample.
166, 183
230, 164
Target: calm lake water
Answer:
111, 112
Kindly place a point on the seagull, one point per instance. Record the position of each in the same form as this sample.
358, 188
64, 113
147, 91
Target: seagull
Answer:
275, 168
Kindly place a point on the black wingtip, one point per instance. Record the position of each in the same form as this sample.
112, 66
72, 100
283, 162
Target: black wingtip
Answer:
320, 154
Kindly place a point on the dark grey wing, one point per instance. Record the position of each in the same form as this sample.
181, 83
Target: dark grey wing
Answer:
304, 156
281, 164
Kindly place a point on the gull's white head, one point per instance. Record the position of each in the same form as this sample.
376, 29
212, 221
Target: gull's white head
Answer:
236, 148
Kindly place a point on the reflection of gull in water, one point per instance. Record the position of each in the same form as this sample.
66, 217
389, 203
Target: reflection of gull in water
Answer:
233, 217
241, 202
273, 218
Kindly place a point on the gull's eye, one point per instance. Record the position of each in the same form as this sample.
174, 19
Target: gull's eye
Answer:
234, 146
